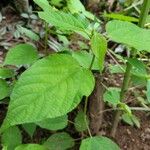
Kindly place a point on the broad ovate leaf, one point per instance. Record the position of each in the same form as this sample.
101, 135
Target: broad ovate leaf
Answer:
129, 34
21, 54
50, 88
11, 138
31, 147
4, 89
98, 143
63, 21
54, 123
59, 141
99, 48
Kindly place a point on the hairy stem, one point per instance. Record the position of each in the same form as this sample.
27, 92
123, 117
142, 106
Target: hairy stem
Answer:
142, 20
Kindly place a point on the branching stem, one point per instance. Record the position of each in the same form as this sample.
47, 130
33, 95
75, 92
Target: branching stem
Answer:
125, 85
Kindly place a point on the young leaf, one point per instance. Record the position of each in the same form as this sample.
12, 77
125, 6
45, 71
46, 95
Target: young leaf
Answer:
139, 68
59, 141
80, 124
121, 17
127, 119
99, 48
62, 20
4, 89
98, 143
54, 124
31, 147
29, 128
11, 138
21, 54
112, 96
6, 73
130, 34
75, 6
148, 90
56, 83
44, 4
85, 59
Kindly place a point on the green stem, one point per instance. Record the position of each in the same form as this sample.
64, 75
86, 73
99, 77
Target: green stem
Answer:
144, 13
142, 20
86, 102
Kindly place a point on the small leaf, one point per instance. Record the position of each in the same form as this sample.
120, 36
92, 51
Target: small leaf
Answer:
121, 17
80, 124
11, 138
129, 34
44, 4
116, 69
59, 141
98, 143
30, 147
56, 83
21, 54
127, 119
148, 90
29, 128
112, 96
135, 121
6, 73
99, 48
85, 59
54, 124
4, 89
138, 68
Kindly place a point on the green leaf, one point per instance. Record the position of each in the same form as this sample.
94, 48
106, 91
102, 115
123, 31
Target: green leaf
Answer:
11, 138
30, 128
4, 89
98, 143
127, 119
75, 6
138, 68
116, 68
85, 59
129, 34
56, 83
59, 141
63, 21
54, 124
6, 73
44, 4
121, 17
112, 96
30, 147
21, 54
80, 124
99, 48
148, 90
28, 33
131, 119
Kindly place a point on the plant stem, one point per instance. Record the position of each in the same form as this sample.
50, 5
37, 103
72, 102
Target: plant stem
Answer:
144, 13
142, 20
46, 37
86, 102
